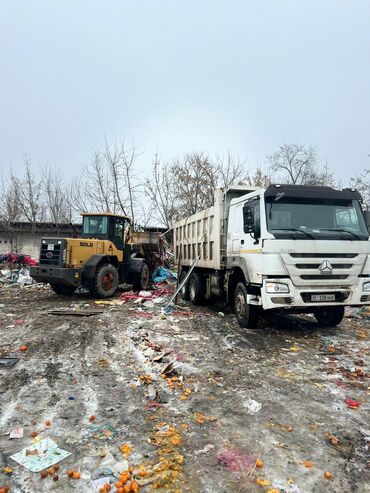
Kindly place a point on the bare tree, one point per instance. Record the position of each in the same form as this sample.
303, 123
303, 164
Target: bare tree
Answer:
230, 170
161, 192
259, 178
194, 181
295, 164
54, 197
9, 201
109, 182
362, 184
29, 194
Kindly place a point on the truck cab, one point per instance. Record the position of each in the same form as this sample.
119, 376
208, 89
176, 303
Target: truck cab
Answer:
301, 247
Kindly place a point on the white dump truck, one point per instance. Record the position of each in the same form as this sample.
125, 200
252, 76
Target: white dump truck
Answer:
287, 247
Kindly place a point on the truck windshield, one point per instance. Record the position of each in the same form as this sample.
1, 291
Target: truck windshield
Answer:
95, 225
319, 219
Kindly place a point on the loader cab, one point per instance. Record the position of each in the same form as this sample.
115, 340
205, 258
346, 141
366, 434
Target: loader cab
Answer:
105, 226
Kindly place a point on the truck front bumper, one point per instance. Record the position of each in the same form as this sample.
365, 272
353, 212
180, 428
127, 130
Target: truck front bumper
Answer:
301, 297
56, 275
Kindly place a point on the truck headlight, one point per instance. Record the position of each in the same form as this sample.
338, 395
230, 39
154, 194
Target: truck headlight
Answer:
366, 287
276, 287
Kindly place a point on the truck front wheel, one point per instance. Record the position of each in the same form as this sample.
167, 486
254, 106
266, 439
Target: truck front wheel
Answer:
105, 282
246, 315
329, 316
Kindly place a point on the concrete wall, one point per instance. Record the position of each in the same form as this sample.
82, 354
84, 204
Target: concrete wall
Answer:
21, 238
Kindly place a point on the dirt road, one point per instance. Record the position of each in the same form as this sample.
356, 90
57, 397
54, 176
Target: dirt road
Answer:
230, 397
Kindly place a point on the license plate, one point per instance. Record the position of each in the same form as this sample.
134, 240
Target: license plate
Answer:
50, 247
323, 297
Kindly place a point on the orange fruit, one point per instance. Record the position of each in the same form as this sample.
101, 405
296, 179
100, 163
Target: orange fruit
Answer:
70, 473
307, 463
23, 348
259, 463
76, 475
328, 475
134, 487
120, 490
44, 474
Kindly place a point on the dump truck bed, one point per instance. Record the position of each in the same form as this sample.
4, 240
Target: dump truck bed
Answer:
203, 234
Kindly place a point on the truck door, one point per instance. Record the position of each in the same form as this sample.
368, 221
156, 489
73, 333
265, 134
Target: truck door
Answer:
250, 243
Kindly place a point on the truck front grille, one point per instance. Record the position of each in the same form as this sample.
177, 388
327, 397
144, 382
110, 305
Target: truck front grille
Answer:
321, 277
323, 269
316, 266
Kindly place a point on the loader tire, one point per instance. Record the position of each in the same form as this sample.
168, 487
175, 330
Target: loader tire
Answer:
329, 316
246, 315
141, 280
196, 288
105, 282
62, 289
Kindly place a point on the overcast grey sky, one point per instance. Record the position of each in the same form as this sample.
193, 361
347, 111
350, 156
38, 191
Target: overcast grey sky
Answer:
184, 75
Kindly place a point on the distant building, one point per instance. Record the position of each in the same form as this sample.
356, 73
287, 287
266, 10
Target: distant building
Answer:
24, 237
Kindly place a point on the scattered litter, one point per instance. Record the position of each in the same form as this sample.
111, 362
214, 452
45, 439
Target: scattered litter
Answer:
16, 432
236, 459
161, 274
99, 483
252, 406
361, 312
103, 432
205, 450
40, 455
8, 362
109, 302
352, 403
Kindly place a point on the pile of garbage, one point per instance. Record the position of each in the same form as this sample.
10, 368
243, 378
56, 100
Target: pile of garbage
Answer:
14, 269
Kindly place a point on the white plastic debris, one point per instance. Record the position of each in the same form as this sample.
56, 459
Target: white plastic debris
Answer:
252, 406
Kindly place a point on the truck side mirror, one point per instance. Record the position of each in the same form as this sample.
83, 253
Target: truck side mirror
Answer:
248, 219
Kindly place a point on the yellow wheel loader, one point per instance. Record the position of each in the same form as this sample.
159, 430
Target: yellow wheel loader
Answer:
101, 259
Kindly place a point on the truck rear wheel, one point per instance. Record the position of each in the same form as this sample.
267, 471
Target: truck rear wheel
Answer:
329, 316
196, 288
184, 292
141, 280
246, 315
63, 289
105, 282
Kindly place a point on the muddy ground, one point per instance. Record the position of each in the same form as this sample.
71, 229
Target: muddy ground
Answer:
234, 396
